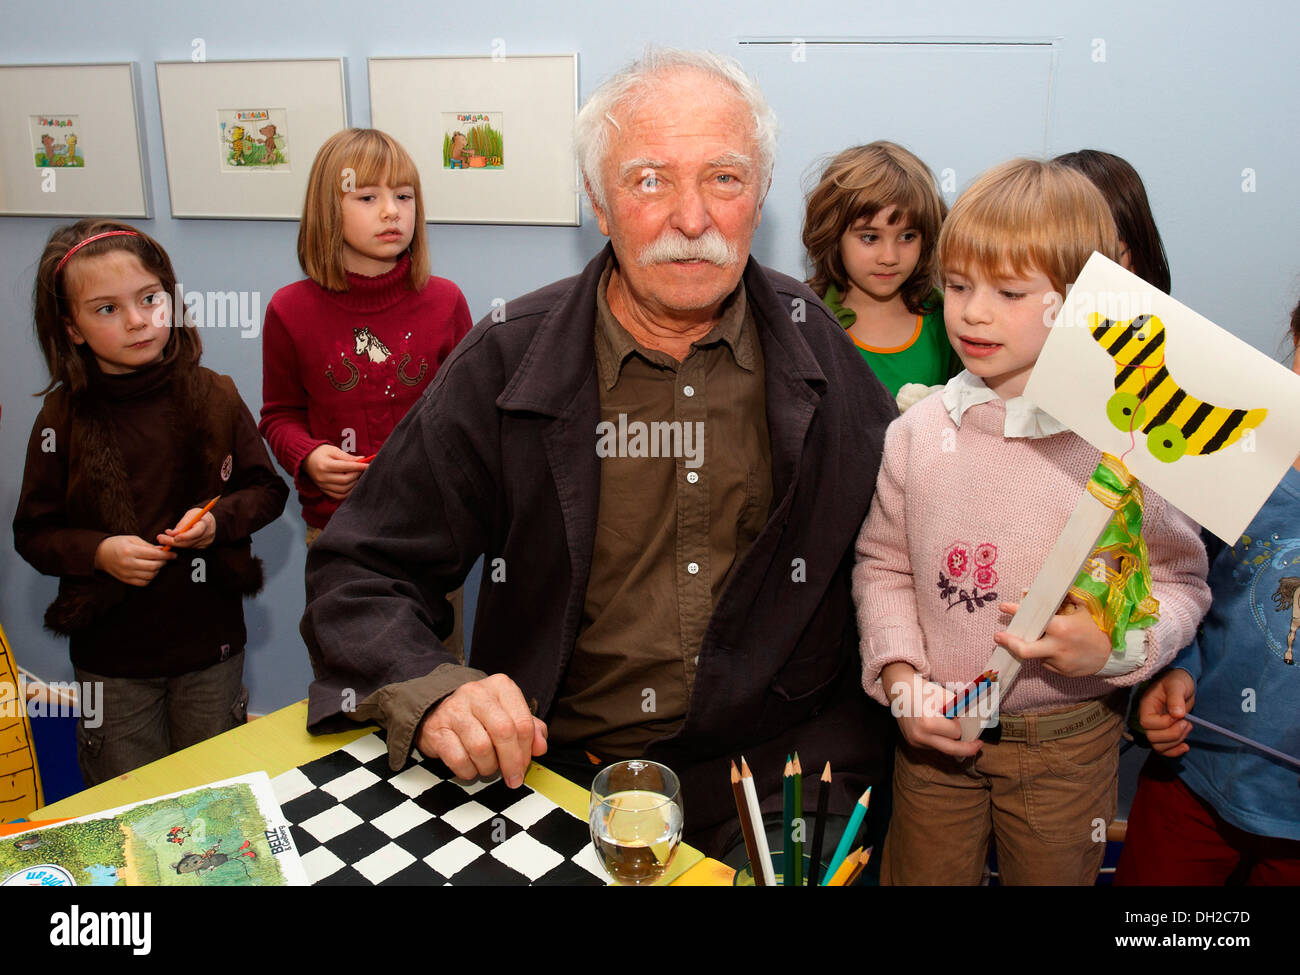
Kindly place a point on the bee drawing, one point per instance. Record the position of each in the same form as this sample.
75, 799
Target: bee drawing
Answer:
1147, 397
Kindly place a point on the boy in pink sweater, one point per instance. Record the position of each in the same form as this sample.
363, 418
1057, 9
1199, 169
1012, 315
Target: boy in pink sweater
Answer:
974, 488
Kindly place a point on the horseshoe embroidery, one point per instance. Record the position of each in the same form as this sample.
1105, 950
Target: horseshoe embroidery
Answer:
354, 375
408, 380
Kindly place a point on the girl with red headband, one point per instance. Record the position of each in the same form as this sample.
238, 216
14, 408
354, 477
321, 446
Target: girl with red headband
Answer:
133, 441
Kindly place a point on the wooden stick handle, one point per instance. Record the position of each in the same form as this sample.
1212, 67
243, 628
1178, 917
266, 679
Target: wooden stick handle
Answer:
1071, 552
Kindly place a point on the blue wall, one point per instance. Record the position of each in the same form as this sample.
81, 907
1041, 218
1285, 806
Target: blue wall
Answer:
1191, 93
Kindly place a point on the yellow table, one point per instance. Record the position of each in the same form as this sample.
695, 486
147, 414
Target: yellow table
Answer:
279, 742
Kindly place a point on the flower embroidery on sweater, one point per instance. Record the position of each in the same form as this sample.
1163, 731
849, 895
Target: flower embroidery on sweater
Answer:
963, 561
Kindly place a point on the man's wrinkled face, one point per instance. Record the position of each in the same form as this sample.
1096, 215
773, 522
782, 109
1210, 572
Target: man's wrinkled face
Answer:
683, 194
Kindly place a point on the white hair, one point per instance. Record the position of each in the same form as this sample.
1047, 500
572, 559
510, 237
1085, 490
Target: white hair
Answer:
625, 90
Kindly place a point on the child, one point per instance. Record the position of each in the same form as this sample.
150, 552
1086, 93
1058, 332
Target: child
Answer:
347, 352
870, 231
1140, 248
136, 433
975, 486
1214, 809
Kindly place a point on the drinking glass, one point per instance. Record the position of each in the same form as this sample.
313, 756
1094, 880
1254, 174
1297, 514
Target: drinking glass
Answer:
636, 820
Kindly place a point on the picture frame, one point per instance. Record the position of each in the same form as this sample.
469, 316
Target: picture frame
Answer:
492, 136
240, 136
72, 143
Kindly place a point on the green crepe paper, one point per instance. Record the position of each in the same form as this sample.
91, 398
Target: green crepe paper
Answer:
1124, 598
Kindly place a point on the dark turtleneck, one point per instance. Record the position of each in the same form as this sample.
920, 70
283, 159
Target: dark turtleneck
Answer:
131, 455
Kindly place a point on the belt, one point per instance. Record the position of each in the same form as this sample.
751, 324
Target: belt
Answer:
1033, 728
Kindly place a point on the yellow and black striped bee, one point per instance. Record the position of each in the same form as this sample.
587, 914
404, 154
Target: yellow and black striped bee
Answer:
1148, 399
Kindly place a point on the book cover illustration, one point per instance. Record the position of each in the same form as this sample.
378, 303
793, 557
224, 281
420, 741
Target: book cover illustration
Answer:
226, 834
253, 139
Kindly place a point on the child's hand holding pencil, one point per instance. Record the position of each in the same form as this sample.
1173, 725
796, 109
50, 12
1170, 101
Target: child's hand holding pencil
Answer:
918, 705
196, 529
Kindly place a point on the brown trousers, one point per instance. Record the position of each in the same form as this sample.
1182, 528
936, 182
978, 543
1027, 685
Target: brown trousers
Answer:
1046, 805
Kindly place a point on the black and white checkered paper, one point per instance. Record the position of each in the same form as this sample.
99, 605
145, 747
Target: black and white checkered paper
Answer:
357, 823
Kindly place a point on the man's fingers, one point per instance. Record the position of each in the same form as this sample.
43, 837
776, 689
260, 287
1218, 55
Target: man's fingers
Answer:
447, 748
478, 745
512, 754
504, 713
540, 732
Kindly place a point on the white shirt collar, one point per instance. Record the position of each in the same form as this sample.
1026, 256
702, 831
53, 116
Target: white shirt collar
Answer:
1024, 419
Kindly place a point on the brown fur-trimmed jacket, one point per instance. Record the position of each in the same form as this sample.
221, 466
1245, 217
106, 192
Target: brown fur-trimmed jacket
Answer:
129, 456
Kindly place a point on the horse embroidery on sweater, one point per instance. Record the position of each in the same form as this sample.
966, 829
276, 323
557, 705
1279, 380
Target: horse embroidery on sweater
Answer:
370, 346
976, 562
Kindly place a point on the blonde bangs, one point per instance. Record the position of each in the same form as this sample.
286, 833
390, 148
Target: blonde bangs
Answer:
361, 157
1026, 216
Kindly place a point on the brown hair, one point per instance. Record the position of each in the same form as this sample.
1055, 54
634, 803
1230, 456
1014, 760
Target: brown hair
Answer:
357, 157
1122, 187
856, 185
52, 302
1295, 325
1026, 215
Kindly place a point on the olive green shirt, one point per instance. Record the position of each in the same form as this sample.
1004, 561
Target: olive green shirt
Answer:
685, 488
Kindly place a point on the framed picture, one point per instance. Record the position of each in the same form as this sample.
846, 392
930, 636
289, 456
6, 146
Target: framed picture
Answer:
240, 136
492, 137
71, 144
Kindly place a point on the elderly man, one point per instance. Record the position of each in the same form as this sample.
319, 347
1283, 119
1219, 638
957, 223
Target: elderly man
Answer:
664, 462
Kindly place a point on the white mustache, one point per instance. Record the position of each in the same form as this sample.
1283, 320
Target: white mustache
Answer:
673, 245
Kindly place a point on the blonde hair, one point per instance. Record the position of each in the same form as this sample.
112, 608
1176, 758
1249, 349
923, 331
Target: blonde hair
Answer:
355, 157
856, 185
1025, 216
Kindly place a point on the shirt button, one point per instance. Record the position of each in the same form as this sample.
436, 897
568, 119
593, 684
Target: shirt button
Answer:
693, 567
692, 477
688, 390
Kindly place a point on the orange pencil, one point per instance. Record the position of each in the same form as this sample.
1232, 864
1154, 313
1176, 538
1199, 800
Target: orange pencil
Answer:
843, 871
863, 857
193, 521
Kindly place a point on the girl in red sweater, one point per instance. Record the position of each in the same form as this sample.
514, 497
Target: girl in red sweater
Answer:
347, 351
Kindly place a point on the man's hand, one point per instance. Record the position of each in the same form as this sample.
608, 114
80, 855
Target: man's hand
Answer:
1163, 710
1072, 644
333, 471
130, 559
481, 728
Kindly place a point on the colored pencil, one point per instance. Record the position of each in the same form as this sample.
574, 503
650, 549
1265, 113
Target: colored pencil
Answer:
787, 824
842, 872
797, 822
850, 834
760, 833
962, 698
746, 827
193, 521
1244, 740
863, 857
819, 832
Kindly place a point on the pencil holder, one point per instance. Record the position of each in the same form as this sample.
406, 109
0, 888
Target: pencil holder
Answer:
745, 875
